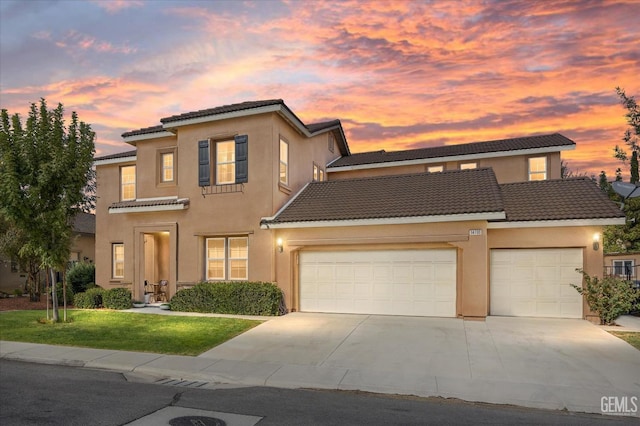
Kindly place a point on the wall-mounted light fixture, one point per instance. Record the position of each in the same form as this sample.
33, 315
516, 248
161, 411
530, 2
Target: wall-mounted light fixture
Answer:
596, 241
280, 245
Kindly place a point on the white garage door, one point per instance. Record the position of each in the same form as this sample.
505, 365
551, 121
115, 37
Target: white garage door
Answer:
535, 283
391, 282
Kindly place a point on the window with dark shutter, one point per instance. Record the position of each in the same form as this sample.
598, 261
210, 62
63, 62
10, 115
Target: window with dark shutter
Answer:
204, 169
242, 158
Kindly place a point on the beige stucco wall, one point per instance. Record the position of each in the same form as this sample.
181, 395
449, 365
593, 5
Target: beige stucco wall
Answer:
219, 215
507, 169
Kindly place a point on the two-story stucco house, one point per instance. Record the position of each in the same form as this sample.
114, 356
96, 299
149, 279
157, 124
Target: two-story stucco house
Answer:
250, 192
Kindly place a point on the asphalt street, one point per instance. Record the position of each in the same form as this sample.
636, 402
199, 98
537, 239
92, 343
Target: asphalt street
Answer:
40, 394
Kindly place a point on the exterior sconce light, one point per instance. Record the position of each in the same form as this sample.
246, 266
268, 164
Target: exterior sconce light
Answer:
280, 245
596, 241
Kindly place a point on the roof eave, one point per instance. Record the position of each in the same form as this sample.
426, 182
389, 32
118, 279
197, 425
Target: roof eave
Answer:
498, 215
131, 140
119, 160
557, 223
433, 160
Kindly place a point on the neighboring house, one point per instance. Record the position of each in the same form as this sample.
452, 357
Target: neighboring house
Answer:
624, 265
249, 192
82, 249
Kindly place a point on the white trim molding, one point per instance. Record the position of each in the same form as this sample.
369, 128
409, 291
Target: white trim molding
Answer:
118, 160
556, 223
386, 221
467, 157
146, 136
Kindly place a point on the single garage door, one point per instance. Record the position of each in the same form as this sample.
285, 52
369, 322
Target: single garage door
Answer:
535, 283
390, 282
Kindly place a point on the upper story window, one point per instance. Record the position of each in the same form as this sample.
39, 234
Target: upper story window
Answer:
284, 162
332, 142
435, 169
538, 168
231, 161
225, 162
127, 183
318, 173
468, 166
166, 164
117, 260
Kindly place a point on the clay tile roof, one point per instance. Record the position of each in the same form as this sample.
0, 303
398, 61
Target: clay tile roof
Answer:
221, 110
84, 223
561, 199
131, 153
317, 127
513, 144
144, 131
149, 203
425, 194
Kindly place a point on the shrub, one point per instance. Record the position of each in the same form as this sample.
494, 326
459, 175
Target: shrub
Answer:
80, 275
610, 296
237, 297
59, 294
116, 298
90, 299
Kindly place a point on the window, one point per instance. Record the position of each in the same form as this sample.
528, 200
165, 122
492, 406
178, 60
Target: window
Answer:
238, 258
128, 183
284, 162
435, 169
225, 162
321, 175
118, 260
468, 166
231, 161
227, 258
215, 258
623, 268
332, 142
316, 172
166, 164
538, 168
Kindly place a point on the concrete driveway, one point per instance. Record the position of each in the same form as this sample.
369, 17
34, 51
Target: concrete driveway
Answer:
545, 363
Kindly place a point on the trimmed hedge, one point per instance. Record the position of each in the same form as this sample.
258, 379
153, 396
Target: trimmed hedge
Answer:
90, 299
236, 297
116, 298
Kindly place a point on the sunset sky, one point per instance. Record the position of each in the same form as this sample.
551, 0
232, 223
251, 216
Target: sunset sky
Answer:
399, 75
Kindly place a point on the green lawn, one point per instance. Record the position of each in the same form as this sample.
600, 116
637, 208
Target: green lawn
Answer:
631, 337
164, 334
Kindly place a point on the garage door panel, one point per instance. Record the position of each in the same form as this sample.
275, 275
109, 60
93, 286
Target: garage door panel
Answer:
397, 282
537, 284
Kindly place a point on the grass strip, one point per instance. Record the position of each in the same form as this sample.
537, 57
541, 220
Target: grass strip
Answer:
127, 331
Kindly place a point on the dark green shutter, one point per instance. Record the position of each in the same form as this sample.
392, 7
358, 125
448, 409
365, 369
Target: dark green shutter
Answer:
242, 158
204, 169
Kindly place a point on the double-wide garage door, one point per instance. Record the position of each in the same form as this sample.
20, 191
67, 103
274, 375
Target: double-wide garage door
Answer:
536, 282
391, 282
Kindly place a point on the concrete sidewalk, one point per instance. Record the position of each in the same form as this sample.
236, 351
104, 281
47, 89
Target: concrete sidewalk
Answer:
540, 363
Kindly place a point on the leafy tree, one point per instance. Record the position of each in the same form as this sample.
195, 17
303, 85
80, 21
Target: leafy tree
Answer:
624, 238
11, 241
44, 170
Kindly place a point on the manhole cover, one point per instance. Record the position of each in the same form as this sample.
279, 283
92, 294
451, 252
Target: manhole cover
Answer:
196, 421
